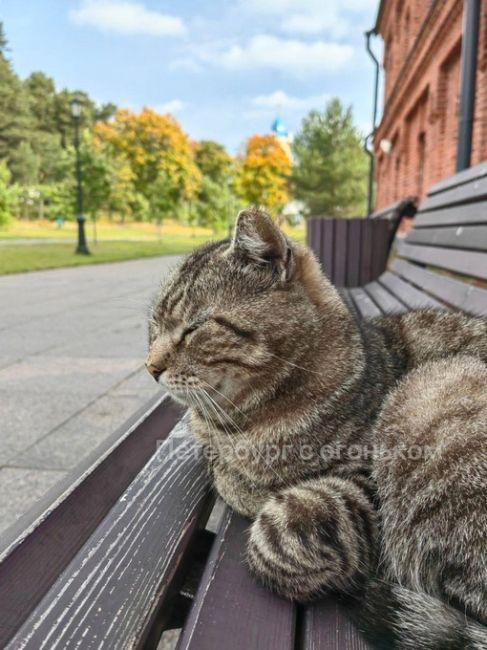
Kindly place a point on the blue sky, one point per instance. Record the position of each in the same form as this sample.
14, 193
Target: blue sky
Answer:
223, 67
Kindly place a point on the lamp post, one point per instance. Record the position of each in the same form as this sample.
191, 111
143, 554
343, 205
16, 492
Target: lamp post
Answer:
82, 247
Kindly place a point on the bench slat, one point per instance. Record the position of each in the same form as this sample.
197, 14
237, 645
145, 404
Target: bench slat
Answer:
460, 178
230, 609
414, 298
384, 299
465, 262
460, 295
44, 541
465, 237
110, 593
326, 627
454, 216
340, 248
365, 306
353, 255
465, 193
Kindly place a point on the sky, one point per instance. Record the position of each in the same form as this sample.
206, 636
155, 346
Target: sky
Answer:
224, 68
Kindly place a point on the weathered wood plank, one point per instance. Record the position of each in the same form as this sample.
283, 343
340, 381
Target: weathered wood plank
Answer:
109, 594
384, 299
326, 627
465, 193
43, 542
340, 253
460, 295
458, 215
380, 247
327, 245
466, 262
460, 178
353, 254
230, 609
465, 237
365, 306
366, 252
414, 298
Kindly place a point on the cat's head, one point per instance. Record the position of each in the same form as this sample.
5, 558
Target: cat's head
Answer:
237, 317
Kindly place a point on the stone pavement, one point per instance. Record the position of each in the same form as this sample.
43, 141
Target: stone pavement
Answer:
72, 344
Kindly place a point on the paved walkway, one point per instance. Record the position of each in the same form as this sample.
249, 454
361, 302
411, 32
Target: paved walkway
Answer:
72, 343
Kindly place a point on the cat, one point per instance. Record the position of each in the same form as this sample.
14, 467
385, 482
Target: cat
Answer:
309, 421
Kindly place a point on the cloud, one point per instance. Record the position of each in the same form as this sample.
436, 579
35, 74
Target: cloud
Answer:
285, 55
126, 17
281, 7
311, 16
281, 100
173, 106
315, 24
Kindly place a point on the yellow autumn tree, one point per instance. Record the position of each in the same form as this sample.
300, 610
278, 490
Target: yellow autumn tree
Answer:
263, 174
160, 156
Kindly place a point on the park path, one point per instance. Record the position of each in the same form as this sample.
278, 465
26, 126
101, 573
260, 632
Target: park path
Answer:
72, 344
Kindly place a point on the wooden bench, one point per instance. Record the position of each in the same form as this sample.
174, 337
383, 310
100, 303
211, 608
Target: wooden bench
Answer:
124, 550
354, 252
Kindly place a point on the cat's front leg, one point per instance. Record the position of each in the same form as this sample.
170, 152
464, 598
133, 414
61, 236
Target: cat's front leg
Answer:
239, 492
315, 537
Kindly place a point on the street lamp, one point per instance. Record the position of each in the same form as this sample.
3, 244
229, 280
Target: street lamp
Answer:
82, 247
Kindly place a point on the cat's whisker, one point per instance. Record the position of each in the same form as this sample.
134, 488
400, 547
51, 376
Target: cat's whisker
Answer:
294, 365
233, 423
201, 405
224, 397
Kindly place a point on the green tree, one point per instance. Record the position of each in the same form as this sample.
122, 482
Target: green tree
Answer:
24, 164
15, 117
213, 161
8, 196
41, 93
216, 205
330, 168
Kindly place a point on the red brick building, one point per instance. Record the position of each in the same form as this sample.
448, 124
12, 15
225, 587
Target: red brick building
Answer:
416, 141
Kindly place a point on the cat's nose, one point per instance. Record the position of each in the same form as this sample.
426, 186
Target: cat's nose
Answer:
154, 370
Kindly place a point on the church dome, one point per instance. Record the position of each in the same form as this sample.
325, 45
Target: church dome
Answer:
279, 128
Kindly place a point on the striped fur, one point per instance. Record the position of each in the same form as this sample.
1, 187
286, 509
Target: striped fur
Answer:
302, 414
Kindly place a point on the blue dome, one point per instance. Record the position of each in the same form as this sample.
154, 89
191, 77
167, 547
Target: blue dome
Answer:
278, 128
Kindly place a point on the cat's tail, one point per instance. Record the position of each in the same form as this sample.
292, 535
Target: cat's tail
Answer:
394, 618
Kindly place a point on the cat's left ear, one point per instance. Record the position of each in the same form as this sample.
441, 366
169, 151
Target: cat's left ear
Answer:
259, 241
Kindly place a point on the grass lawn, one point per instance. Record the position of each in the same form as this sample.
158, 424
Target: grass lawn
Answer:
116, 242
105, 230
34, 257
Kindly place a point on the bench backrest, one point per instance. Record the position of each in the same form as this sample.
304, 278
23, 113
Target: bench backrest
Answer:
353, 252
445, 255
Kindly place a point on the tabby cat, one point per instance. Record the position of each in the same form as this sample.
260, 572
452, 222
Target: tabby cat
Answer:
359, 450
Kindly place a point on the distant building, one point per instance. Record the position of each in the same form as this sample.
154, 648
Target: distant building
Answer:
416, 141
285, 138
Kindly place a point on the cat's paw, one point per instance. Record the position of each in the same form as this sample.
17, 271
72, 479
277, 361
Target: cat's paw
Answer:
284, 553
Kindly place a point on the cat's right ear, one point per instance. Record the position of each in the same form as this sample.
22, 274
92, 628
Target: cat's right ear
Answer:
258, 240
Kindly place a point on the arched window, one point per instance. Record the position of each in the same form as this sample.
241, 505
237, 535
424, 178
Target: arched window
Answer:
407, 31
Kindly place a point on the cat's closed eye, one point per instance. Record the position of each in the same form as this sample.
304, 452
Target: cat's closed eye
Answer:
187, 331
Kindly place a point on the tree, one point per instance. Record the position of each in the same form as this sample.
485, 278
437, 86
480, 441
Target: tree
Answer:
263, 174
15, 117
24, 164
8, 196
216, 205
330, 169
41, 93
213, 161
159, 155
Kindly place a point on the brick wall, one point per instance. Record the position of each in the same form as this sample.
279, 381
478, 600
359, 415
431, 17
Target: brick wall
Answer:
422, 54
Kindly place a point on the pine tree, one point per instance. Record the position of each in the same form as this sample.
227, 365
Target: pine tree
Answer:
330, 169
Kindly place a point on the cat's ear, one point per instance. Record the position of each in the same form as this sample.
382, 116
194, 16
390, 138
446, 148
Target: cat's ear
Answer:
260, 241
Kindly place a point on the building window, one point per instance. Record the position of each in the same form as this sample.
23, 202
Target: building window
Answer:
407, 31
421, 163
